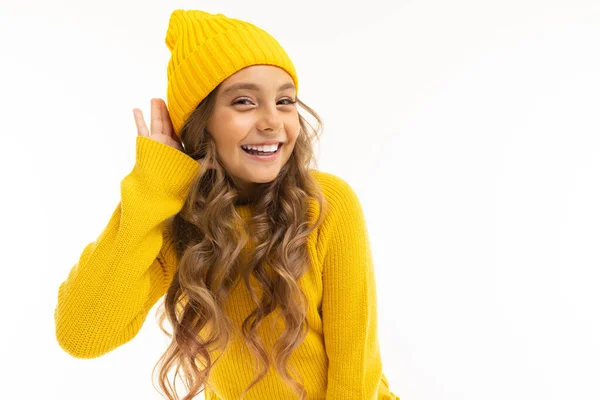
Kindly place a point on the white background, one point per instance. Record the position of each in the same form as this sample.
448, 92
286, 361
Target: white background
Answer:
469, 129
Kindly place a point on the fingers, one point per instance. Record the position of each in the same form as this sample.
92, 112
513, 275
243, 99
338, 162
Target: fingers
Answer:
160, 121
139, 122
167, 123
166, 118
156, 122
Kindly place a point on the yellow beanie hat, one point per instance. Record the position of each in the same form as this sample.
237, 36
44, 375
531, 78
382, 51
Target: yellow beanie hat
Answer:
208, 48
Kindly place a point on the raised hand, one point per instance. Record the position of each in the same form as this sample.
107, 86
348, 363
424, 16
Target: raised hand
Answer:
161, 127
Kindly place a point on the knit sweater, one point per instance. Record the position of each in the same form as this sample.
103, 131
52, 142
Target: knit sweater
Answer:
120, 276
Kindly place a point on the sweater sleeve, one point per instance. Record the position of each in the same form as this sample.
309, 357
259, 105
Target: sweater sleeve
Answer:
349, 303
107, 294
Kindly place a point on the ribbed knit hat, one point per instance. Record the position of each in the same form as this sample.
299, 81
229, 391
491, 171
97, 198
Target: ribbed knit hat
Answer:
208, 48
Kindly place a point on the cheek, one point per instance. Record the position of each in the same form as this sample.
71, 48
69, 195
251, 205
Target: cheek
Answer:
227, 137
293, 129
227, 123
296, 135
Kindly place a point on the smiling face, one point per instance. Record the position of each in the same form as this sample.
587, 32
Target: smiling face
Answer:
261, 110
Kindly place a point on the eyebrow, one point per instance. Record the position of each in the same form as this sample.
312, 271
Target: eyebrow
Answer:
252, 86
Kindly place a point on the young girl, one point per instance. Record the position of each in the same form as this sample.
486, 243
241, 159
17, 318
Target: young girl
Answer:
263, 261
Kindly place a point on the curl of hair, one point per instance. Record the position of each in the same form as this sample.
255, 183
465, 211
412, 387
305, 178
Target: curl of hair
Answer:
209, 243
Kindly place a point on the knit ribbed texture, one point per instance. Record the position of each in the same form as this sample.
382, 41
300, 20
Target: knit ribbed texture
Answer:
108, 293
208, 48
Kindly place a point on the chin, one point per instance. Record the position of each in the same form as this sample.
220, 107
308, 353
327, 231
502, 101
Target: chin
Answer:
265, 178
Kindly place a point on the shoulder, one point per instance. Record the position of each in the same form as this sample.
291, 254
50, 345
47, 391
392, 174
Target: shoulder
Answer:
344, 224
334, 187
342, 200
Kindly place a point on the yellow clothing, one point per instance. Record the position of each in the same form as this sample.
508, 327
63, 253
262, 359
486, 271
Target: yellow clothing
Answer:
108, 293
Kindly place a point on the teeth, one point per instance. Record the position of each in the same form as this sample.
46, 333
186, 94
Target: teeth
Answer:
266, 148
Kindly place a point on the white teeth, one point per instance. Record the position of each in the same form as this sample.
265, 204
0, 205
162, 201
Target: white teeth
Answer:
267, 148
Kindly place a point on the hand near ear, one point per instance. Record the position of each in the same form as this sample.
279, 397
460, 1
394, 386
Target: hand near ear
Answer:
161, 127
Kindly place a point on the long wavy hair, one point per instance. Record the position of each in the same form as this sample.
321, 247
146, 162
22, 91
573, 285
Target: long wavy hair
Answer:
208, 241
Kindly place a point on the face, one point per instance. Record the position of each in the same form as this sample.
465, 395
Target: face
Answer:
263, 112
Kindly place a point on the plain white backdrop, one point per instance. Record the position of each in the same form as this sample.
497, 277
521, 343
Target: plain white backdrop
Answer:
469, 129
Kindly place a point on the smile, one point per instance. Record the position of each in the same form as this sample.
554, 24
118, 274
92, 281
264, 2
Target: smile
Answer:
263, 156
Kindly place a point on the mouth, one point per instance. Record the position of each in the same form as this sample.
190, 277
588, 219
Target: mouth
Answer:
263, 155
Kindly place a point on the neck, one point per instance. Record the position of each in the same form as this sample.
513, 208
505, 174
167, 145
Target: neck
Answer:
246, 197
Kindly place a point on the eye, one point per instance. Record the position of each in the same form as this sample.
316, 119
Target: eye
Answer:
290, 101
240, 101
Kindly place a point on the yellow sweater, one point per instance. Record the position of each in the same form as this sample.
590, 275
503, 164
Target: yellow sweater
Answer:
120, 276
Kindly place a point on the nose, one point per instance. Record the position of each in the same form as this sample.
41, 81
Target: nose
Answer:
270, 121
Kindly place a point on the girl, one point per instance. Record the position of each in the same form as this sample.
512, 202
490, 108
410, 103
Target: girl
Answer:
263, 261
